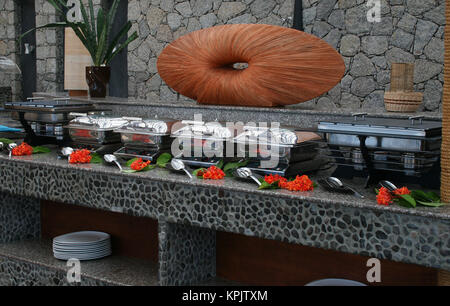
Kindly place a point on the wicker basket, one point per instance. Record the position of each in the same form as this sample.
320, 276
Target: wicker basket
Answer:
402, 101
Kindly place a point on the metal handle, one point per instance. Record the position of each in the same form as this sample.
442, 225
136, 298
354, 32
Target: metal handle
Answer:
362, 115
420, 118
35, 98
256, 180
78, 114
132, 118
187, 172
62, 99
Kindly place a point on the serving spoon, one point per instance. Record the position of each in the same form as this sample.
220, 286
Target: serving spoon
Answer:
246, 173
179, 165
66, 151
11, 146
388, 185
334, 181
2, 145
110, 158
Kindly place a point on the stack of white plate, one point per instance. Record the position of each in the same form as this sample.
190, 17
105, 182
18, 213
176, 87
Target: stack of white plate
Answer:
84, 245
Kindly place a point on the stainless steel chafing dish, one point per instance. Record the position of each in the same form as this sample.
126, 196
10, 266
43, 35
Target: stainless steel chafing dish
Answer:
145, 138
284, 143
96, 129
153, 133
202, 144
384, 145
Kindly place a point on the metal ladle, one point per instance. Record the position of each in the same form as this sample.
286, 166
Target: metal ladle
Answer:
338, 184
2, 145
66, 151
388, 185
246, 173
179, 165
110, 158
11, 146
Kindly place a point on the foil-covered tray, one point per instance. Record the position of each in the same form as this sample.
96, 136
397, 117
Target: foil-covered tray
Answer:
146, 132
214, 131
95, 129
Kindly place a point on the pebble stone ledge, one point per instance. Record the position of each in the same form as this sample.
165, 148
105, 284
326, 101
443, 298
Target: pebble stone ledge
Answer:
318, 219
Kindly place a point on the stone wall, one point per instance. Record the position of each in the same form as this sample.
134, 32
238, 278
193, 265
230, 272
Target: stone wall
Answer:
159, 22
410, 31
9, 27
49, 50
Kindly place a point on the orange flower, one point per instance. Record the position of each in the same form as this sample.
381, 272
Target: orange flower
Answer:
139, 164
213, 173
22, 149
384, 197
80, 157
270, 179
301, 183
402, 191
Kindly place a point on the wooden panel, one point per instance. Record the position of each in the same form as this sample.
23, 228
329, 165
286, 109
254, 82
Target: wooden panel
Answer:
131, 236
76, 58
257, 261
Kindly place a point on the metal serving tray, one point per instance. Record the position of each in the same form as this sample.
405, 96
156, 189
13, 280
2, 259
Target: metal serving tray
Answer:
282, 143
95, 129
146, 132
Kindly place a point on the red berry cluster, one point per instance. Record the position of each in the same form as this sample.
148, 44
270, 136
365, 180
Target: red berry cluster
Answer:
22, 149
301, 183
80, 157
213, 173
139, 164
270, 179
385, 197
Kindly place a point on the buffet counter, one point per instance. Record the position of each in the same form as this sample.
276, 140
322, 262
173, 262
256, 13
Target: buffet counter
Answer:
193, 210
190, 215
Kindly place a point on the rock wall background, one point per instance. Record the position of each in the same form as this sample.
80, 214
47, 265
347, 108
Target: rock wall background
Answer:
410, 31
9, 23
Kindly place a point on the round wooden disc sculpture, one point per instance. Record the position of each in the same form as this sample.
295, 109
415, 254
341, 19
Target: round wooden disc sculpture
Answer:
285, 66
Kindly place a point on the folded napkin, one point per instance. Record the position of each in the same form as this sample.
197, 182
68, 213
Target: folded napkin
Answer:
8, 129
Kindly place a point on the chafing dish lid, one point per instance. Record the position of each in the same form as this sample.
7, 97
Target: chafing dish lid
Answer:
148, 126
412, 127
97, 122
199, 129
275, 136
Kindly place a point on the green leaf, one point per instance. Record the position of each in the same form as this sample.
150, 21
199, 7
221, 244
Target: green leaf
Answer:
129, 171
265, 185
6, 141
96, 158
163, 159
230, 167
431, 204
406, 200
377, 191
122, 46
433, 196
128, 164
40, 149
122, 33
196, 171
220, 164
422, 196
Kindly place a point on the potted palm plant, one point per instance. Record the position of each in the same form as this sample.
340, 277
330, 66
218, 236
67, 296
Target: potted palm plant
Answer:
95, 34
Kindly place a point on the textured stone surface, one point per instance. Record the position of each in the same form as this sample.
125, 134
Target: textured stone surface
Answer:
409, 31
187, 255
317, 219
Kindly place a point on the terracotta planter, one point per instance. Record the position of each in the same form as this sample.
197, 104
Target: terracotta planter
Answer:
97, 79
